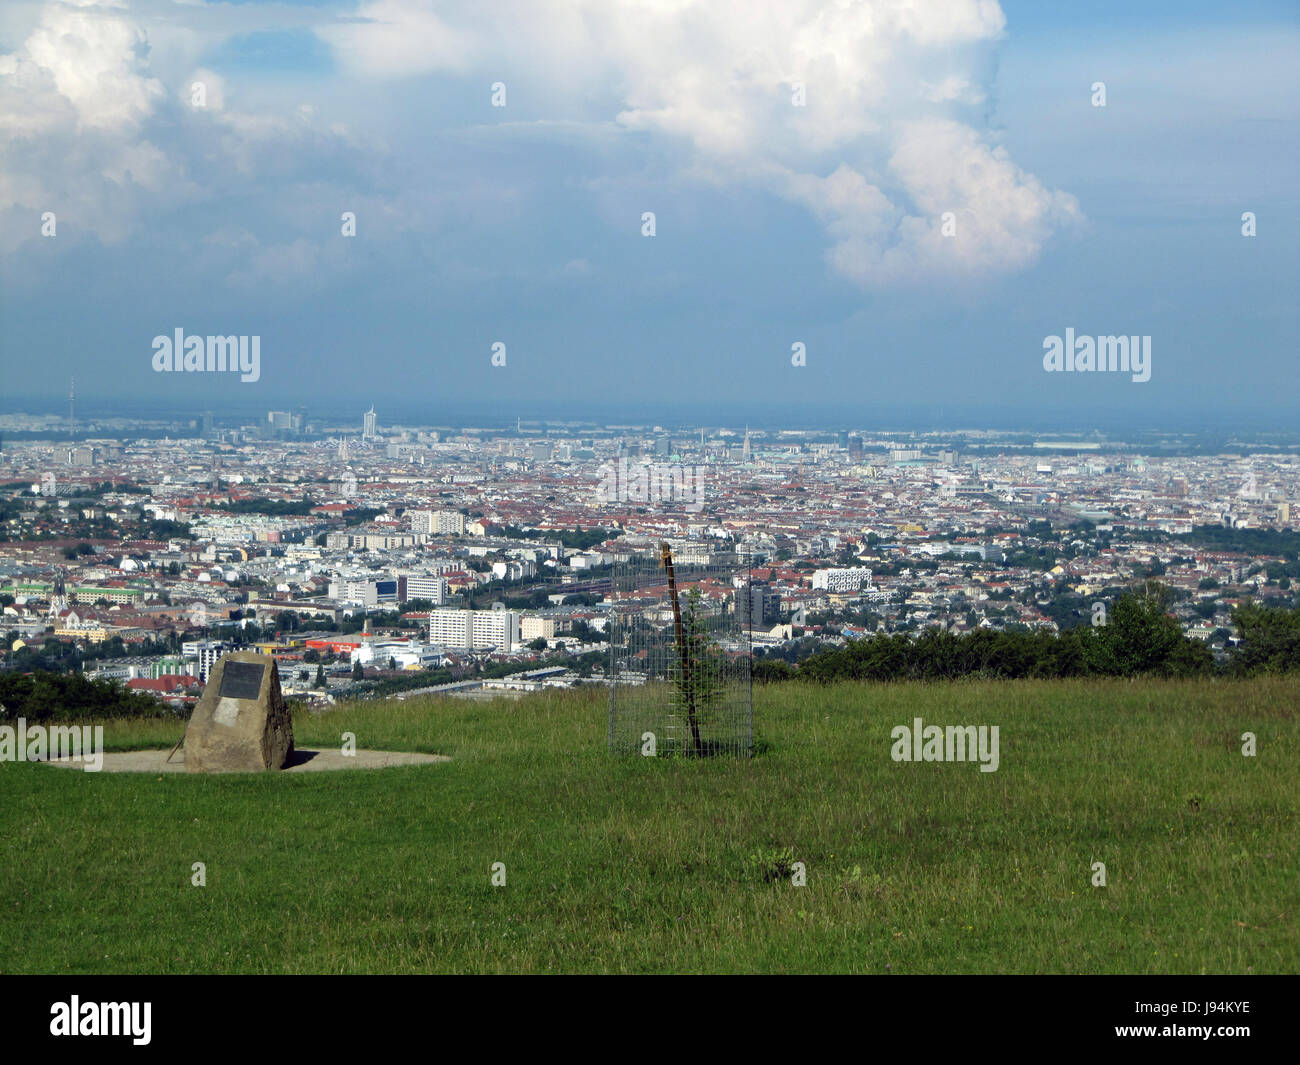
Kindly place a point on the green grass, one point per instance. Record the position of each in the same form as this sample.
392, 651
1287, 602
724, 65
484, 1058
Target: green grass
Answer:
641, 865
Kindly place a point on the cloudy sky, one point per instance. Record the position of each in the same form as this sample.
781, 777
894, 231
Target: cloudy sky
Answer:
917, 191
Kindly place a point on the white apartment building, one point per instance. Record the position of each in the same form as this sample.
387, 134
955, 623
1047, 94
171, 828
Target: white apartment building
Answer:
367, 592
427, 587
374, 541
475, 630
362, 593
437, 521
382, 541
533, 627
842, 580
513, 571
207, 652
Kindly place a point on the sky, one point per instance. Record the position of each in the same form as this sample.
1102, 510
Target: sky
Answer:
859, 208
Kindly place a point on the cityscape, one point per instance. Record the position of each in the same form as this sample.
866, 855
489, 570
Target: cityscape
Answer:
363, 556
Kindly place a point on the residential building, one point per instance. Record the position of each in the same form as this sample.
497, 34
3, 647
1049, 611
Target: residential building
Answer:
475, 630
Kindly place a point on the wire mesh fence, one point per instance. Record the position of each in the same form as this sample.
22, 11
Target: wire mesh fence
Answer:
680, 672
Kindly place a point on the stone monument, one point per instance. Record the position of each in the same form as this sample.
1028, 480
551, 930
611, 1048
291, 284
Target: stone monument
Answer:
241, 723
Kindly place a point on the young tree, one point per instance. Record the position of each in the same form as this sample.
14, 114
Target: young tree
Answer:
697, 681
1139, 637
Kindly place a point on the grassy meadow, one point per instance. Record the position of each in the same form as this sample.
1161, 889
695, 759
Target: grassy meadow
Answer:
657, 865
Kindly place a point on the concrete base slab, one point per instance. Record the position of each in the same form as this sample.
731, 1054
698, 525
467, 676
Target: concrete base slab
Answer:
299, 761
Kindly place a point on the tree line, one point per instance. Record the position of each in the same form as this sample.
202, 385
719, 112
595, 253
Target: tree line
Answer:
70, 697
1138, 639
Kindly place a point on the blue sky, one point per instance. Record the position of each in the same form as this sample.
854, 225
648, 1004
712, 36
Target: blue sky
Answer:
821, 225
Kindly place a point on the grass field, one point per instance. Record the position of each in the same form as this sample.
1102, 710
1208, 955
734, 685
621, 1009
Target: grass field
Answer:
641, 865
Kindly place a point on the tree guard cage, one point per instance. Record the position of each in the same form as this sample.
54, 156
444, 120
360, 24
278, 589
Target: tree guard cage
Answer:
680, 666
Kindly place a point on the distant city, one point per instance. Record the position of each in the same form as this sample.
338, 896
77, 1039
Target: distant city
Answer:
1229, 426
376, 556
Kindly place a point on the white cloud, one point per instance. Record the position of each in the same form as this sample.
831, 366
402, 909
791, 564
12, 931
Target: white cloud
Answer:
881, 147
1000, 215
87, 132
398, 38
889, 138
95, 60
73, 101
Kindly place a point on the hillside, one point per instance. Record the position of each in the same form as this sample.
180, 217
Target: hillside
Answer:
666, 866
